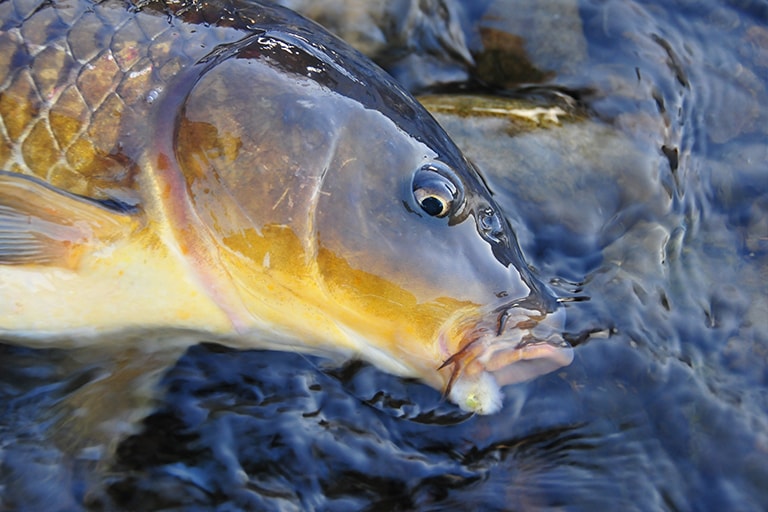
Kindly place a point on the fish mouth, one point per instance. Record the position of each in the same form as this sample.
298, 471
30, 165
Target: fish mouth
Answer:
512, 343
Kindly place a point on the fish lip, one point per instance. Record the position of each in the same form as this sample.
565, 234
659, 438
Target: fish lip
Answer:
512, 343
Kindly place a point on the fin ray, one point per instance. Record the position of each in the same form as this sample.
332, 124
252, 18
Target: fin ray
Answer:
43, 225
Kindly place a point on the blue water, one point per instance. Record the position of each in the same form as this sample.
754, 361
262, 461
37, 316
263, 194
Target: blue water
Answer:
655, 208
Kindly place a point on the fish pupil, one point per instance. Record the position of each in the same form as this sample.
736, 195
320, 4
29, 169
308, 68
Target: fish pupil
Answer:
432, 205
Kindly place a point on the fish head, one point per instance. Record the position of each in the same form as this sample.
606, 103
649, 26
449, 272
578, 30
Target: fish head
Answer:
411, 240
343, 214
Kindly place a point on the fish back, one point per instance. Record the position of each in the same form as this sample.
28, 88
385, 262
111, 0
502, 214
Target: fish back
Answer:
79, 83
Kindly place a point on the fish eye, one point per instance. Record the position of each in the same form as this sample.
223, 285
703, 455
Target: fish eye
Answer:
436, 189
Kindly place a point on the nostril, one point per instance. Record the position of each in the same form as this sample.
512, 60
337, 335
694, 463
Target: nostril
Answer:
489, 224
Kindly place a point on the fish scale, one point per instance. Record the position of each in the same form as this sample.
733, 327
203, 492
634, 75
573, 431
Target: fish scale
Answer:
78, 84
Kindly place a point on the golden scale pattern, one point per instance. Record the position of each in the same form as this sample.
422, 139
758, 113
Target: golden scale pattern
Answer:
78, 83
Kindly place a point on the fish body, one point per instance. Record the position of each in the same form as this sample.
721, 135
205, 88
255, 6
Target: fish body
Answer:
231, 169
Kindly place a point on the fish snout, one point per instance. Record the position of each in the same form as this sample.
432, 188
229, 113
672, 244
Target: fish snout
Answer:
511, 344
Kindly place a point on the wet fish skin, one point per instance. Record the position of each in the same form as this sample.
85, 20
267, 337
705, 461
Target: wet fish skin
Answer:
263, 173
79, 85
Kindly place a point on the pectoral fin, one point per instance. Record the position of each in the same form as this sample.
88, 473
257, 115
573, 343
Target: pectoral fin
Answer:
42, 225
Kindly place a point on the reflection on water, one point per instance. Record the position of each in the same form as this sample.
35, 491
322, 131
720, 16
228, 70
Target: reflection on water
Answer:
652, 201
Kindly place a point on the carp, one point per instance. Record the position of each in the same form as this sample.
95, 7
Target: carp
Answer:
231, 169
